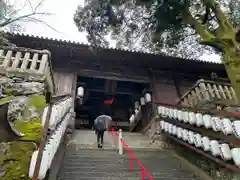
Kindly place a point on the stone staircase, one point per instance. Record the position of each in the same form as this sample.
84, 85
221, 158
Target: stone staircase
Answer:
83, 161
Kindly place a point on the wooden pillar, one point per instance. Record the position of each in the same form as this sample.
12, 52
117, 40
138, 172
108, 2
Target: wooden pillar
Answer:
176, 82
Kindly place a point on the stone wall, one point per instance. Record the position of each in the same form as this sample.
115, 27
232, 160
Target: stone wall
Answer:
27, 100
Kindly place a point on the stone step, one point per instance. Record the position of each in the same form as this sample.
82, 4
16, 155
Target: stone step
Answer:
121, 175
104, 164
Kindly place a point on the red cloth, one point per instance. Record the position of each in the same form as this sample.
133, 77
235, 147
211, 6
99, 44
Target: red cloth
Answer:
108, 101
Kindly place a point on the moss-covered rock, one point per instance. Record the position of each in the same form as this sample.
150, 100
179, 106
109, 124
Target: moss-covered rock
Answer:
15, 157
15, 160
37, 100
31, 129
26, 104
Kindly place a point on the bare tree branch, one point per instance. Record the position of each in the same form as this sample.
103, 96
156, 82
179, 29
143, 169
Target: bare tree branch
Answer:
17, 10
11, 20
38, 5
46, 24
30, 4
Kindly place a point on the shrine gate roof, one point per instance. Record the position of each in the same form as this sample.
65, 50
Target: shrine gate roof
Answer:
73, 51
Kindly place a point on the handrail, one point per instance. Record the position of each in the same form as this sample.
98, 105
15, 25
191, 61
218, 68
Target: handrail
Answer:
132, 157
42, 143
50, 99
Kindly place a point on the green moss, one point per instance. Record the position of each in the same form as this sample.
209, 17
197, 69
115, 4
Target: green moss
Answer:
37, 100
31, 129
6, 91
16, 160
4, 99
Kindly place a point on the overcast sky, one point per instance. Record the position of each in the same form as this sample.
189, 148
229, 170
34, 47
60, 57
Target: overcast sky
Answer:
62, 21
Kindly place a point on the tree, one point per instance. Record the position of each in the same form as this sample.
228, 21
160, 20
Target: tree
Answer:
12, 17
164, 24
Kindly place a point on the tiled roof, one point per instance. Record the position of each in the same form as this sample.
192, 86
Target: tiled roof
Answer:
102, 47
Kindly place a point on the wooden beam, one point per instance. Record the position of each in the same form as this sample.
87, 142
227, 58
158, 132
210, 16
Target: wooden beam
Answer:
107, 83
113, 86
116, 92
113, 76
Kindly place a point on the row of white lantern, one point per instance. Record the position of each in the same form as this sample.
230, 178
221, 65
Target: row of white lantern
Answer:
143, 100
199, 119
134, 117
217, 149
50, 150
58, 111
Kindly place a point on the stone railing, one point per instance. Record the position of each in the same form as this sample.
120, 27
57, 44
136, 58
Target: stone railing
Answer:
31, 63
205, 93
55, 120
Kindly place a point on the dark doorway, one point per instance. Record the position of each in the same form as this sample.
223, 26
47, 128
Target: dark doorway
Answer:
104, 96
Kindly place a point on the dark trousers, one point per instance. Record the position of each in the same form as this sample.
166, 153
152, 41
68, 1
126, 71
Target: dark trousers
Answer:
100, 135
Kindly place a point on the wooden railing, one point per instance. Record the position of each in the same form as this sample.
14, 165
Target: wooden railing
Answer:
122, 144
49, 129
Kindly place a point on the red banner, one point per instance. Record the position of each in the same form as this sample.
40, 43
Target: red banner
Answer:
108, 101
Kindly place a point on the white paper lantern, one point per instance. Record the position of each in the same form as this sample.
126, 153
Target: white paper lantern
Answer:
160, 109
179, 133
199, 119
180, 115
170, 128
174, 130
198, 140
44, 116
185, 117
166, 126
80, 91
142, 101
236, 128
207, 121
132, 117
136, 105
166, 112
175, 113
206, 143
190, 137
216, 124
192, 118
225, 152
185, 134
171, 113
226, 126
162, 124
148, 98
236, 156
215, 148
